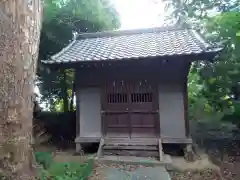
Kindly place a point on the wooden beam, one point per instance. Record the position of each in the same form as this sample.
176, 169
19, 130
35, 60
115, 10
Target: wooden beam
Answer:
100, 149
87, 140
160, 150
169, 140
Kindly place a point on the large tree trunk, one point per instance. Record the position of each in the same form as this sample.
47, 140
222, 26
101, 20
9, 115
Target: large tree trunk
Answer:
20, 23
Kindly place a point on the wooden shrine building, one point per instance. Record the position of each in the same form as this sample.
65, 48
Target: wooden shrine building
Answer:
131, 86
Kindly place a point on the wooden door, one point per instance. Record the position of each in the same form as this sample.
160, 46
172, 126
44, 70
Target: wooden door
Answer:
115, 103
143, 110
130, 110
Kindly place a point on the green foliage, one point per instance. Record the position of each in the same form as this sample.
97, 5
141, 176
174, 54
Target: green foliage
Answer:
199, 107
218, 21
44, 159
234, 116
59, 127
238, 34
62, 171
221, 76
67, 171
61, 21
194, 12
62, 18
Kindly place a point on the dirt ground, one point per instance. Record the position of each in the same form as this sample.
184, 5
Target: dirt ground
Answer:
206, 174
66, 155
210, 167
200, 170
202, 163
228, 161
98, 172
203, 174
228, 166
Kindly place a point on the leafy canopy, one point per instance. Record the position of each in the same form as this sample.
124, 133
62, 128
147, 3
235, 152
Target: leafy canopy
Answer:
218, 21
63, 19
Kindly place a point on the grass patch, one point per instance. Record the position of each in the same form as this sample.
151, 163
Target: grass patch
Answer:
45, 159
62, 171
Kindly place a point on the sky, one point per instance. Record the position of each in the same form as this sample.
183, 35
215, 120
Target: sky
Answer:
136, 14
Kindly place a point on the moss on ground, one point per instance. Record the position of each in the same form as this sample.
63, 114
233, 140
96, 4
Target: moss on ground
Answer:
62, 171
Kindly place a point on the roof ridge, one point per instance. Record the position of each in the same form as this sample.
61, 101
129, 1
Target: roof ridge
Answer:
205, 44
63, 50
128, 32
201, 40
171, 42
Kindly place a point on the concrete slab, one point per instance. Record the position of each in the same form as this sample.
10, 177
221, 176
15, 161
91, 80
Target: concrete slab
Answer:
134, 160
141, 173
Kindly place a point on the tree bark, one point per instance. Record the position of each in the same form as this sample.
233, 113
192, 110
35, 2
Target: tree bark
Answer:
65, 93
72, 95
20, 24
72, 101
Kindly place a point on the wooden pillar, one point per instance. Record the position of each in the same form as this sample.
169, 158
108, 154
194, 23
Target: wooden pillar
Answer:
185, 98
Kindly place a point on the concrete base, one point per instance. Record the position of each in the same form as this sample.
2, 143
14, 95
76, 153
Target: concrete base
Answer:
79, 150
140, 173
87, 140
164, 140
135, 161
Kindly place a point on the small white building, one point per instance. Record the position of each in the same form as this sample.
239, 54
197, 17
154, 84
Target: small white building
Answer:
131, 86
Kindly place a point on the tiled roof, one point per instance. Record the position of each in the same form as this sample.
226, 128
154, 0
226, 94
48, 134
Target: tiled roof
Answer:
132, 44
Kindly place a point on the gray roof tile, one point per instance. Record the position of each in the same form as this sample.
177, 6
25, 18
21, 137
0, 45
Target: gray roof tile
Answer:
132, 44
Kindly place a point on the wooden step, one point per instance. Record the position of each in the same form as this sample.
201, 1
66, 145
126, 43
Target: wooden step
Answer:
142, 147
135, 141
131, 147
137, 153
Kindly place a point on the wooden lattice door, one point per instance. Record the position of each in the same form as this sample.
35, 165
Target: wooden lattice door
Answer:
143, 110
129, 110
115, 110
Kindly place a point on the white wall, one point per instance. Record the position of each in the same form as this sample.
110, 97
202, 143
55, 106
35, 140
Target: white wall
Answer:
90, 112
171, 111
